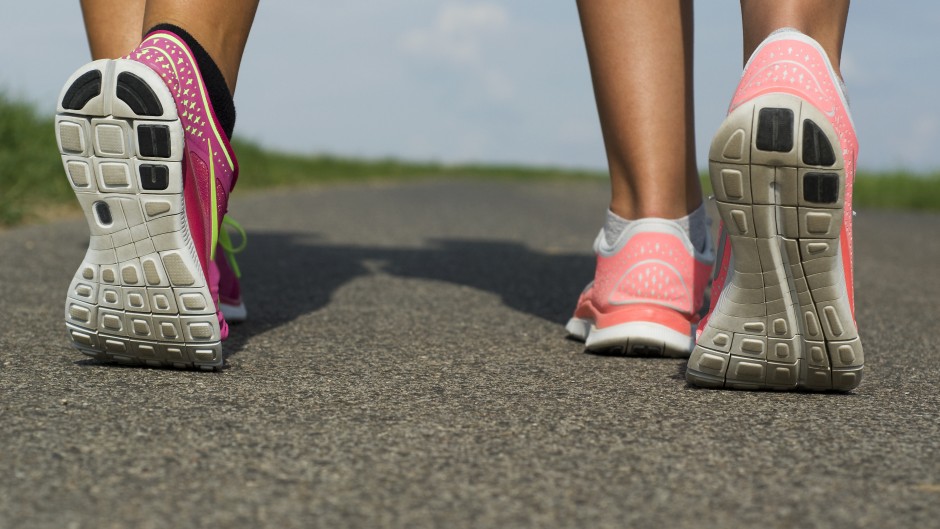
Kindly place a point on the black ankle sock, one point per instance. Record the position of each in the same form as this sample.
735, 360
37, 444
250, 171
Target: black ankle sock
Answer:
219, 94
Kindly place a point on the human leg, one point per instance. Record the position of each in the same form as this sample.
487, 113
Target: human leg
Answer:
651, 269
113, 27
220, 26
782, 166
640, 53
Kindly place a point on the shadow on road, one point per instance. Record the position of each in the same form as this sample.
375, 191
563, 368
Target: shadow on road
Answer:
288, 275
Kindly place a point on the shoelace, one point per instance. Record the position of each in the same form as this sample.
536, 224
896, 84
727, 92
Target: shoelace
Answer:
225, 241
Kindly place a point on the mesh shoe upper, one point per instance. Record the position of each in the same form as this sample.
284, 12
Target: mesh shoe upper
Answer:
652, 274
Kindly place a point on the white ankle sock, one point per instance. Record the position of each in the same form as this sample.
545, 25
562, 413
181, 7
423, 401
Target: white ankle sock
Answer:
694, 224
614, 225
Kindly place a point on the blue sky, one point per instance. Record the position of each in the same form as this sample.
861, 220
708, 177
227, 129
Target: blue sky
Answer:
491, 81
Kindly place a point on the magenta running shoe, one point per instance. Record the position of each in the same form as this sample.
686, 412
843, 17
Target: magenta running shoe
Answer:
647, 292
152, 170
782, 166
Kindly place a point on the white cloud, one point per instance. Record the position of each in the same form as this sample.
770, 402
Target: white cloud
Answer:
464, 36
458, 33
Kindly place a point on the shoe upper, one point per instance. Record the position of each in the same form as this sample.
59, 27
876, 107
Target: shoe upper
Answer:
651, 265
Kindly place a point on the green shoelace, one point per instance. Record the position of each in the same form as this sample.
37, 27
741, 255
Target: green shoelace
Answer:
228, 248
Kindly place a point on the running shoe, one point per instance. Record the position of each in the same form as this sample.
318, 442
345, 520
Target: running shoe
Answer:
647, 292
152, 170
782, 166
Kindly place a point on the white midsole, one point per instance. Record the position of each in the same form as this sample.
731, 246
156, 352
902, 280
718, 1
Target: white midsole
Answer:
234, 313
630, 334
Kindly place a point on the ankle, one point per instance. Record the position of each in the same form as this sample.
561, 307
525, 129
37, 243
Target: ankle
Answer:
674, 209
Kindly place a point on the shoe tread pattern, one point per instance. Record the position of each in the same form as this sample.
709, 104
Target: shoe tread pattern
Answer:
783, 320
139, 296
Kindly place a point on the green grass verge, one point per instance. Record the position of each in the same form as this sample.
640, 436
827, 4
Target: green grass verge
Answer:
31, 175
265, 168
897, 190
32, 182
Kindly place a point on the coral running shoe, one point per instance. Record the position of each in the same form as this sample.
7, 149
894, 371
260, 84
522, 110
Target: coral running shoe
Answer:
647, 292
782, 165
152, 170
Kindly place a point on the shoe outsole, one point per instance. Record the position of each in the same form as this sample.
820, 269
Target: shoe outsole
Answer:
784, 319
140, 295
631, 339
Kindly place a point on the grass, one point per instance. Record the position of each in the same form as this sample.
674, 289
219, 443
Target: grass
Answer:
265, 168
897, 190
31, 174
33, 183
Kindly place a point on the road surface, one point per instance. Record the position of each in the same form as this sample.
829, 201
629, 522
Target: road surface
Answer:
405, 365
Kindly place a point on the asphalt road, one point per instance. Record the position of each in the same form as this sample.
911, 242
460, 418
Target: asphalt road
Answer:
406, 365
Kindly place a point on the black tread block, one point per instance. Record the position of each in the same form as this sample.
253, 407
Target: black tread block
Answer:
154, 177
103, 211
138, 95
822, 188
816, 147
775, 129
87, 86
153, 141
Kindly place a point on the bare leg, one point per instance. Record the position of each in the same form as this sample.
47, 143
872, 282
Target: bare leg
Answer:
113, 26
640, 53
220, 26
823, 20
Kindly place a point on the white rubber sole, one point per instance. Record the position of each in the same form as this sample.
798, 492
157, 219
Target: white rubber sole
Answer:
783, 320
637, 338
139, 296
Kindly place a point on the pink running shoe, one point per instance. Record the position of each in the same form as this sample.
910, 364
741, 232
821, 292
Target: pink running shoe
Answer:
782, 165
647, 292
152, 170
